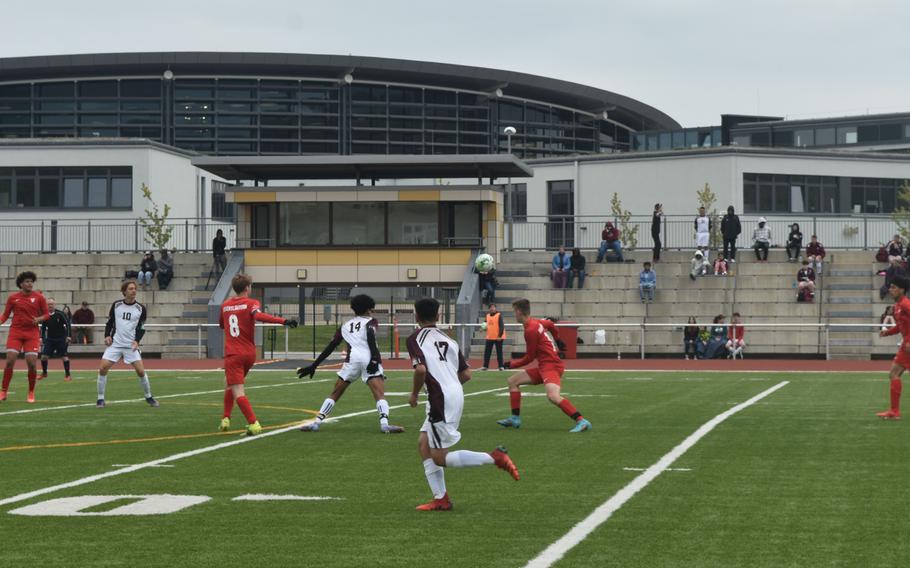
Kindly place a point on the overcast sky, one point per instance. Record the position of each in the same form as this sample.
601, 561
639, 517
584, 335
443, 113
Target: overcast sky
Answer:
692, 59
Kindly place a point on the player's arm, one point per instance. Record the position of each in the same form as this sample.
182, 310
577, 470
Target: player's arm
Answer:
502, 325
45, 315
464, 372
260, 315
7, 311
375, 355
420, 369
310, 369
140, 327
531, 339
554, 331
69, 328
110, 325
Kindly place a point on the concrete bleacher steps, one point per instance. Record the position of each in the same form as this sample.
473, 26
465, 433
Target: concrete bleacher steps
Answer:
96, 278
763, 292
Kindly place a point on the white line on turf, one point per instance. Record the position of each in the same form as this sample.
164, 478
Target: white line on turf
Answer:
177, 395
129, 464
668, 469
191, 453
264, 497
579, 532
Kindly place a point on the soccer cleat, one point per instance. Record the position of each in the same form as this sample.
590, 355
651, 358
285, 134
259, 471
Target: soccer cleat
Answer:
311, 427
510, 422
254, 429
443, 504
225, 425
67, 378
42, 376
30, 398
100, 403
889, 415
2, 395
152, 402
581, 426
391, 429
482, 369
504, 462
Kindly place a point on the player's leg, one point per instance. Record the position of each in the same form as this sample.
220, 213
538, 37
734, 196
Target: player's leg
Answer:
107, 361
67, 376
435, 474
139, 367
243, 403
10, 363
31, 362
525, 377
377, 387
328, 404
44, 359
554, 395
897, 386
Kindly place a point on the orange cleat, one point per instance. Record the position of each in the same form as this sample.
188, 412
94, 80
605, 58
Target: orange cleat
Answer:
437, 504
30, 398
889, 415
42, 376
2, 395
504, 462
67, 378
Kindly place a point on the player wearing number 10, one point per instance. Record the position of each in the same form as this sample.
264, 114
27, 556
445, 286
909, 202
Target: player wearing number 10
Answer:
238, 319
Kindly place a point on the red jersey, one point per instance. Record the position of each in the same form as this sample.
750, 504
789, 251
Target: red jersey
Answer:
540, 338
902, 318
25, 308
238, 319
736, 331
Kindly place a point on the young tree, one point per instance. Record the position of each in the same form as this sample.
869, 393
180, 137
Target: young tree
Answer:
628, 233
157, 232
707, 199
901, 215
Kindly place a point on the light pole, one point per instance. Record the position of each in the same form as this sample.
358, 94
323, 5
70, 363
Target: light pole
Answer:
509, 131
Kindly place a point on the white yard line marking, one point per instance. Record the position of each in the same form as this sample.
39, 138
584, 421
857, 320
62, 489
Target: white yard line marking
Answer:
565, 394
129, 464
178, 395
191, 453
264, 497
579, 532
668, 469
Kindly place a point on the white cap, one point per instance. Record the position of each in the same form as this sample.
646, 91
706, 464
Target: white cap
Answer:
699, 253
762, 220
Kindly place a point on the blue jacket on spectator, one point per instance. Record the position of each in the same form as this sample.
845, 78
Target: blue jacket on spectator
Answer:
647, 279
565, 263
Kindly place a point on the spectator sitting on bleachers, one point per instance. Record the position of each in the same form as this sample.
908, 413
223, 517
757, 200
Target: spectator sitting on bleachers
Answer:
610, 241
761, 240
895, 248
83, 317
577, 268
165, 270
690, 338
720, 265
715, 346
699, 265
736, 337
815, 254
147, 269
794, 243
895, 269
561, 264
647, 282
805, 282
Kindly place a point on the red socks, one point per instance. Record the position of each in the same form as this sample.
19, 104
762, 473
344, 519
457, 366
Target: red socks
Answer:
7, 377
515, 399
32, 379
570, 410
896, 387
244, 404
228, 402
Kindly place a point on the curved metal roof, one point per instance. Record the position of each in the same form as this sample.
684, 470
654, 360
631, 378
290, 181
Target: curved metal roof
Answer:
625, 110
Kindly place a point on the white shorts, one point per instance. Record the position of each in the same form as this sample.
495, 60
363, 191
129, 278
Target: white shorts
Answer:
701, 239
441, 435
353, 370
126, 353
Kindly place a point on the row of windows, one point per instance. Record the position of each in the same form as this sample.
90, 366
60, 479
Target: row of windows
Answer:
678, 139
824, 136
66, 188
775, 193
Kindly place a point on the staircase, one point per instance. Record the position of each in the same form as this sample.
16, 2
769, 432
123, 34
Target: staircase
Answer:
853, 286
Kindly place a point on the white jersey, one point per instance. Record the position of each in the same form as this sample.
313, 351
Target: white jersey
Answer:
702, 225
125, 323
443, 360
356, 332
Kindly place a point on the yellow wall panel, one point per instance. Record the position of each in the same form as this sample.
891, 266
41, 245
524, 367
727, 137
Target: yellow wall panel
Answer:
410, 257
260, 258
338, 257
454, 257
254, 196
368, 257
296, 257
427, 195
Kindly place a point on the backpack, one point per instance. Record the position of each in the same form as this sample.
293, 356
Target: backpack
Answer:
882, 255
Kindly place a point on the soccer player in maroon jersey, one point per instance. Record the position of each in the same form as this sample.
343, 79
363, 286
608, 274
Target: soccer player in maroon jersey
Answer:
542, 339
238, 319
898, 291
28, 309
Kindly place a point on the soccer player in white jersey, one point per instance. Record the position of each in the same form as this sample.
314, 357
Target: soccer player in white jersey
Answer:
122, 334
440, 367
363, 362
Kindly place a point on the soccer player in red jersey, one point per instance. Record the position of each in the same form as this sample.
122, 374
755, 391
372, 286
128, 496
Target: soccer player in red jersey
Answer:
238, 319
542, 339
898, 291
28, 309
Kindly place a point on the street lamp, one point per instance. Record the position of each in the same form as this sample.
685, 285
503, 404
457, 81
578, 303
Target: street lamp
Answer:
510, 131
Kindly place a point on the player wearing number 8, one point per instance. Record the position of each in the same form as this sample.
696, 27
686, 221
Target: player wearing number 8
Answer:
238, 320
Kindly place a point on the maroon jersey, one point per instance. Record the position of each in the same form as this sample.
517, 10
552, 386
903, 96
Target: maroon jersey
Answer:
24, 308
540, 337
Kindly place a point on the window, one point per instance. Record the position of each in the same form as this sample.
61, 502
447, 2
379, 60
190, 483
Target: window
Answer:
221, 209
6, 192
49, 192
516, 202
783, 138
97, 192
413, 223
74, 192
358, 223
121, 192
824, 137
303, 224
560, 208
25, 192
804, 137
846, 135
867, 133
888, 132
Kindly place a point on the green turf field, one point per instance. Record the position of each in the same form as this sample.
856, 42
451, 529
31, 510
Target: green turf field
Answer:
805, 477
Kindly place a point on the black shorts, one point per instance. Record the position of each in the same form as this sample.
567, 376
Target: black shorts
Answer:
53, 347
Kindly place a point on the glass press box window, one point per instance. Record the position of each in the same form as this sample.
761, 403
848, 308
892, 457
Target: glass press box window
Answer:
66, 188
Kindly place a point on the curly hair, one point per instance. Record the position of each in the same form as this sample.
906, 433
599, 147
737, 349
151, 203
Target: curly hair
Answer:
23, 276
362, 303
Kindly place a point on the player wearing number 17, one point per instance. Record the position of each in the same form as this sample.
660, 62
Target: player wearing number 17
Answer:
238, 319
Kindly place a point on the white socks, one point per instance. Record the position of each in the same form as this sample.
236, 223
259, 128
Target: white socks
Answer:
146, 386
436, 477
383, 408
327, 406
466, 458
102, 384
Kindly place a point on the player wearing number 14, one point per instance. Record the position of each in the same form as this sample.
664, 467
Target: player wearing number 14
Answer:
238, 319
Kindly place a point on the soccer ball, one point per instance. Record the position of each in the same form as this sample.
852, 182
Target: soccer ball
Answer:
484, 263
483, 326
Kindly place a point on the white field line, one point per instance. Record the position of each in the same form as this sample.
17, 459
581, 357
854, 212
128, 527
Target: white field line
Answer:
191, 453
266, 497
668, 469
579, 532
134, 400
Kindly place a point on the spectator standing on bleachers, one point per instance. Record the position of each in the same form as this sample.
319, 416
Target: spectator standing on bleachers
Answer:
83, 317
656, 222
165, 270
561, 265
896, 269
805, 281
690, 338
702, 230
577, 268
815, 254
794, 243
147, 269
699, 265
730, 228
609, 241
647, 282
895, 248
56, 335
488, 285
720, 265
219, 245
761, 240
736, 337
496, 333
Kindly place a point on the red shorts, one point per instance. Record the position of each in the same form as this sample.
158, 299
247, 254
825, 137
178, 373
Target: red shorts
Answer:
23, 341
546, 375
902, 358
236, 368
